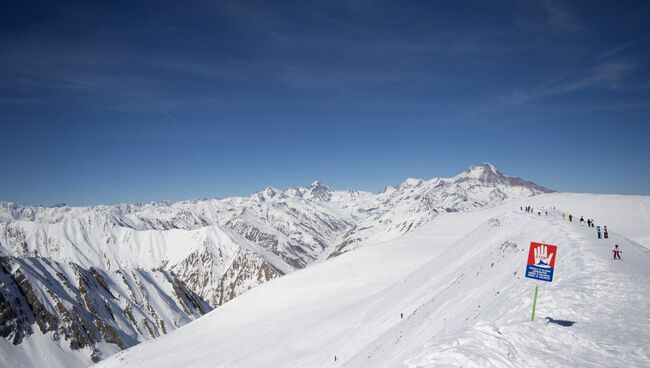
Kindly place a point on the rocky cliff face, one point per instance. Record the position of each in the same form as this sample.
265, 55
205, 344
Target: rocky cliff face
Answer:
95, 310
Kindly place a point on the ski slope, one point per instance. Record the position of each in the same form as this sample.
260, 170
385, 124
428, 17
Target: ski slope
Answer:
458, 280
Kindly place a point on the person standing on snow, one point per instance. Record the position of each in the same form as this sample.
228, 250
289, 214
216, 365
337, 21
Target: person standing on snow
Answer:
605, 233
570, 218
617, 252
598, 231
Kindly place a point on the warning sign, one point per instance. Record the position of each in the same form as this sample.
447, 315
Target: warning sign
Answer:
541, 261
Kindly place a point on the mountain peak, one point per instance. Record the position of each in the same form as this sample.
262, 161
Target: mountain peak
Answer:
485, 173
411, 182
485, 167
316, 183
320, 191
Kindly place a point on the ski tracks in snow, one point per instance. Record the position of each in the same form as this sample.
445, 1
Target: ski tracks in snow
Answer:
609, 300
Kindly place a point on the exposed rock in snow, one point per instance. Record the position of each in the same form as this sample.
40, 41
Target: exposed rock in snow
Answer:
92, 311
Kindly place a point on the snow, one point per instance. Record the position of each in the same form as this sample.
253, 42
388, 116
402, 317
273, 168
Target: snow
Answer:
40, 351
458, 280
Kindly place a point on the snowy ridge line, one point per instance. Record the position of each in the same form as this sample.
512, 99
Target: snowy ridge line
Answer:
465, 302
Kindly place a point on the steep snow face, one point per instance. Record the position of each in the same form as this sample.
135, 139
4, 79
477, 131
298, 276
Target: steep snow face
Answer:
90, 313
458, 282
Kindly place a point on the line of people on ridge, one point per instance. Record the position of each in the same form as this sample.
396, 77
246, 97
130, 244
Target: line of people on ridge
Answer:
589, 222
605, 234
530, 209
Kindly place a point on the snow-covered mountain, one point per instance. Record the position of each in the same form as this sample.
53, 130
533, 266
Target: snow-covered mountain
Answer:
220, 248
92, 312
450, 294
414, 202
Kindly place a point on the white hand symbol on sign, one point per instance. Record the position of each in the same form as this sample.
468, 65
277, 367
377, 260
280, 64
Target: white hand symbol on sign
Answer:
542, 258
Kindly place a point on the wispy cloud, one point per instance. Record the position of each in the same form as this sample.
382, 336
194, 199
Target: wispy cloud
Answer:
182, 133
43, 69
560, 19
607, 75
621, 48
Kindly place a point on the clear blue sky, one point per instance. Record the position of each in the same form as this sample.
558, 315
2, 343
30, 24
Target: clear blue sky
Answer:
107, 102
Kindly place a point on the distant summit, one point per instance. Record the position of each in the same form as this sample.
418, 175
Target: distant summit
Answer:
487, 174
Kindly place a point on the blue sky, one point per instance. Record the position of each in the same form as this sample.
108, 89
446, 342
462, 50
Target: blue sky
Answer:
110, 102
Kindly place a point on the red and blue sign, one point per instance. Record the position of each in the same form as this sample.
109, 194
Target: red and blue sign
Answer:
541, 261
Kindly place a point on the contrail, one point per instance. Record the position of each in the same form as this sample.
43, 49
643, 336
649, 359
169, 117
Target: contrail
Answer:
180, 130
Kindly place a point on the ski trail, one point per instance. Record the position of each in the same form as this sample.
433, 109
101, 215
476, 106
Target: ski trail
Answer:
608, 297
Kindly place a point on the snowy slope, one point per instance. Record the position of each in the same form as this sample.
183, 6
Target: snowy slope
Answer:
75, 315
458, 281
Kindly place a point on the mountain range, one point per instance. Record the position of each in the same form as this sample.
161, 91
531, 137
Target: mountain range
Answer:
85, 282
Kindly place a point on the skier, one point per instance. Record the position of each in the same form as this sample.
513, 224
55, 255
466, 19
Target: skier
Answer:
605, 234
617, 252
401, 315
588, 222
598, 231
582, 220
570, 218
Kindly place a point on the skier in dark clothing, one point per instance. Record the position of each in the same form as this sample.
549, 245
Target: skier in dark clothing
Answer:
570, 217
598, 231
605, 233
617, 252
